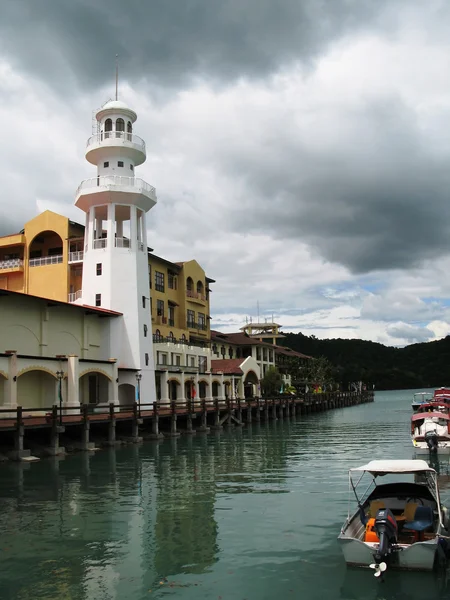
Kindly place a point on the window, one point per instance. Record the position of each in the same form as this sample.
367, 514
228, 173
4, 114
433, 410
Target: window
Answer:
200, 288
258, 353
120, 163
192, 361
190, 318
108, 125
171, 281
106, 164
55, 251
131, 168
98, 299
159, 281
201, 321
222, 351
99, 268
171, 316
143, 301
202, 364
178, 360
145, 330
160, 308
150, 275
146, 359
120, 125
230, 352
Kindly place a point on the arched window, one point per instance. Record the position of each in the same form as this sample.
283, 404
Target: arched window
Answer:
157, 336
120, 126
108, 128
171, 336
183, 339
200, 287
189, 286
230, 352
222, 351
129, 130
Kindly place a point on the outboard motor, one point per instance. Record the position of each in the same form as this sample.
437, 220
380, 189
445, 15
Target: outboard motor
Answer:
386, 528
431, 440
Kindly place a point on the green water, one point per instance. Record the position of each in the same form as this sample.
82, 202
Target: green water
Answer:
250, 513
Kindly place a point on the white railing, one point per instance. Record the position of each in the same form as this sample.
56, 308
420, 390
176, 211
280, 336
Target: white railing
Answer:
100, 243
76, 256
74, 296
117, 180
11, 263
121, 242
46, 260
112, 136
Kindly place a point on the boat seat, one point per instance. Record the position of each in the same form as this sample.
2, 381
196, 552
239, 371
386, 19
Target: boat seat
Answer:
374, 507
410, 511
423, 519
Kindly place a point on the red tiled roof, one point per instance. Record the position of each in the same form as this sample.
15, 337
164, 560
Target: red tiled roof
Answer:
239, 339
229, 366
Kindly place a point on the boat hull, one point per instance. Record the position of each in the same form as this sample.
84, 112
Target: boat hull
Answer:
421, 556
421, 448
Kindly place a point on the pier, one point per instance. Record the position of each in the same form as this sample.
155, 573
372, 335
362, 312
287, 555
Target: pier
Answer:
28, 434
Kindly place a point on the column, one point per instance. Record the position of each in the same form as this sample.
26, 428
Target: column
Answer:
209, 396
133, 228
197, 388
91, 226
221, 388
73, 382
110, 225
164, 388
232, 392
11, 382
144, 231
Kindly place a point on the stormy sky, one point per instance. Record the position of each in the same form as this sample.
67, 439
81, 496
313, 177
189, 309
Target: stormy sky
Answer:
300, 149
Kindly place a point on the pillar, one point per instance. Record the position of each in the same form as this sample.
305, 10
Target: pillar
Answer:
232, 393
165, 388
209, 398
182, 398
114, 384
73, 383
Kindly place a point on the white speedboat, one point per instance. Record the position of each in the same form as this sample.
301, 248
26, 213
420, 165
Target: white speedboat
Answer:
398, 524
420, 398
430, 430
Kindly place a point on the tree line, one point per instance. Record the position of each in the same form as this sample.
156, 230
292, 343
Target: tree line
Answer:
388, 368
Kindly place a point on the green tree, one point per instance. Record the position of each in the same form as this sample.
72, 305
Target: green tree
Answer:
271, 382
319, 371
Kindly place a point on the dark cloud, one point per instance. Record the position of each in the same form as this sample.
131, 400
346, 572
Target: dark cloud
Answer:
73, 42
410, 333
377, 200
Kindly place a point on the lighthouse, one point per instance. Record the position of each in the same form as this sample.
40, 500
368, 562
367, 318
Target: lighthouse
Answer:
115, 262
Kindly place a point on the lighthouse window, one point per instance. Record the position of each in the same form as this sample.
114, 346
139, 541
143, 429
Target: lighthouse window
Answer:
98, 299
120, 125
106, 164
108, 125
120, 163
99, 268
146, 359
131, 168
145, 330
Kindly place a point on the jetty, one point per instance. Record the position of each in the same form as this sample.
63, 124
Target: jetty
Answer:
89, 427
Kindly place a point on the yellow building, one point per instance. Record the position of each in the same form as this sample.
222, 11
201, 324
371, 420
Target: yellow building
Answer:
46, 259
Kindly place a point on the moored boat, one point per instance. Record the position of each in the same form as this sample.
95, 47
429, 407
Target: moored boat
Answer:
420, 398
430, 430
400, 524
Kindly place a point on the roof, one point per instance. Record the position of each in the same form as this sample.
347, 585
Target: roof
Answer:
289, 352
429, 415
104, 312
242, 339
381, 467
229, 366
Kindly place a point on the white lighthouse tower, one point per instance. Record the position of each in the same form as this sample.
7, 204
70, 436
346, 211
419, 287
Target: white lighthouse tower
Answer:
115, 265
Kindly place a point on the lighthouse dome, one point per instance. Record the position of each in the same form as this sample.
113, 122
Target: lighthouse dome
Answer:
115, 107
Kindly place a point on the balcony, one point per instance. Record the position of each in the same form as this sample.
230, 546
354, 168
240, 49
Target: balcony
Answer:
46, 260
99, 243
120, 143
11, 264
76, 257
73, 296
99, 190
121, 242
195, 296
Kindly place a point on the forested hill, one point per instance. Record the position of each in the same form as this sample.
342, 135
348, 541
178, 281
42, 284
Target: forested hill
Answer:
417, 365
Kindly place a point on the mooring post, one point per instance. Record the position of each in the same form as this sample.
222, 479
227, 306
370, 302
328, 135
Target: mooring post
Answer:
216, 426
135, 423
54, 449
189, 428
155, 434
111, 426
204, 423
173, 421
85, 427
18, 453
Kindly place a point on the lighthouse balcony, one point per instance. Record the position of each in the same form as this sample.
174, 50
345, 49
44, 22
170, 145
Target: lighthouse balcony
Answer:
120, 143
106, 189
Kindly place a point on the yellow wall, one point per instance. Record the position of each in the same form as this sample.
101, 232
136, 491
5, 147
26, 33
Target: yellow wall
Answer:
36, 389
193, 270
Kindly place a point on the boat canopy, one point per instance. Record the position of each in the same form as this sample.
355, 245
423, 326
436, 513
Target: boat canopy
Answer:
427, 415
382, 467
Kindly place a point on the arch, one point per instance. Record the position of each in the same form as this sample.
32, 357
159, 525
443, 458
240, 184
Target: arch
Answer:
127, 394
108, 126
190, 284
158, 335
173, 384
250, 384
189, 384
171, 337
94, 387
47, 243
202, 389
251, 377
200, 287
37, 387
95, 370
215, 389
129, 131
36, 368
183, 338
120, 126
